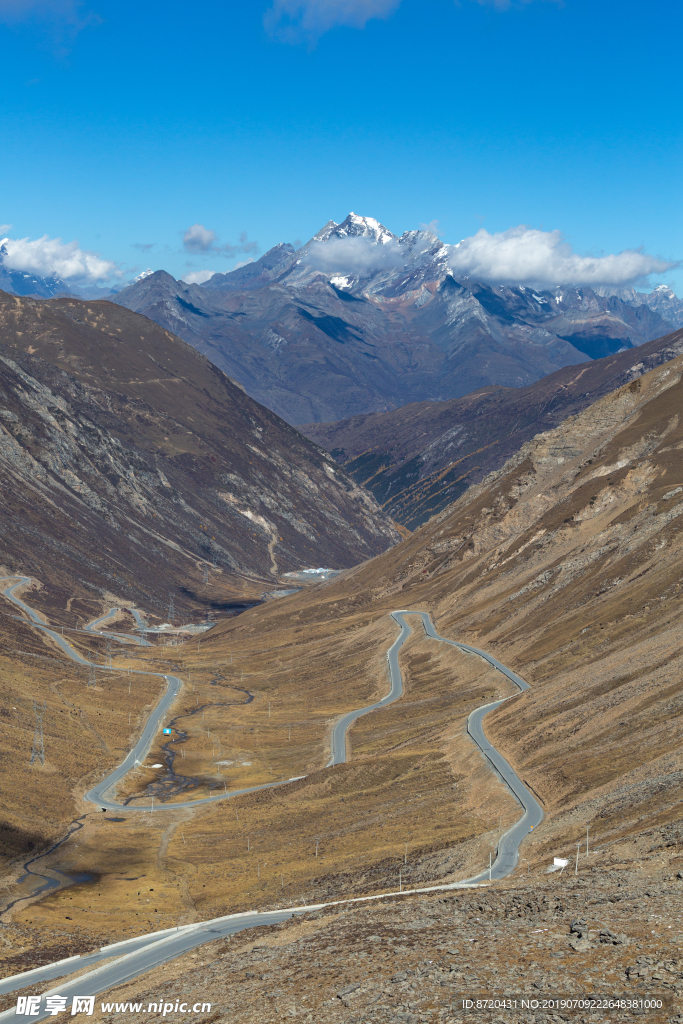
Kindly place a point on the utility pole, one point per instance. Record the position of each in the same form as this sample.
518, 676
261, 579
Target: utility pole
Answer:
576, 866
317, 843
587, 827
290, 734
489, 865
38, 751
400, 881
405, 855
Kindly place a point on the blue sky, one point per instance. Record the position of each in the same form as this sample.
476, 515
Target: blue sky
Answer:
124, 124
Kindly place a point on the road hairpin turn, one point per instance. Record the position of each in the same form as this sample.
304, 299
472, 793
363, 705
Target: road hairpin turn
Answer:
142, 953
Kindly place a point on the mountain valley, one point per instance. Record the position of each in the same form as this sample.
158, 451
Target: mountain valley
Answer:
133, 467
564, 563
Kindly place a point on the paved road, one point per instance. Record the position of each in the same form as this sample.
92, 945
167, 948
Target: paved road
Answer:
507, 853
90, 628
98, 794
142, 953
36, 620
341, 727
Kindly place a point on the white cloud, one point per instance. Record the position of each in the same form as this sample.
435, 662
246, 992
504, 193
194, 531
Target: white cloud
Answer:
528, 256
197, 276
50, 257
433, 228
353, 256
4, 228
199, 239
295, 20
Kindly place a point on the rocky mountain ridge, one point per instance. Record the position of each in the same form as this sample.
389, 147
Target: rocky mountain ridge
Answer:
418, 459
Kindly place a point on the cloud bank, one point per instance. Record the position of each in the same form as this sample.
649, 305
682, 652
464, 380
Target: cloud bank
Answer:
518, 256
201, 241
354, 256
50, 257
197, 276
295, 21
536, 258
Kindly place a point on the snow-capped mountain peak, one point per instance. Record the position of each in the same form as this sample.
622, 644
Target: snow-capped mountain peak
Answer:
143, 275
363, 227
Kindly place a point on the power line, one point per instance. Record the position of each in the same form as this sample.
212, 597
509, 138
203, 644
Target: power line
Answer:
38, 751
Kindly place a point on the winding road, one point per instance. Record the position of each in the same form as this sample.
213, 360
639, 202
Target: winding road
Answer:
142, 953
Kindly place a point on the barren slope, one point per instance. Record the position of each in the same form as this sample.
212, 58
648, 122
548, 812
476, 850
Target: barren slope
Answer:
130, 464
418, 459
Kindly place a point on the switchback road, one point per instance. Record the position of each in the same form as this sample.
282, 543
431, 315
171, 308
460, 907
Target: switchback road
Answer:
142, 953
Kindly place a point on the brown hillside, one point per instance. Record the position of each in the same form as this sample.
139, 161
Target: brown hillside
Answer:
130, 464
418, 459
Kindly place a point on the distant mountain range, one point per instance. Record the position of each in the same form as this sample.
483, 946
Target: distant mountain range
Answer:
358, 320
418, 459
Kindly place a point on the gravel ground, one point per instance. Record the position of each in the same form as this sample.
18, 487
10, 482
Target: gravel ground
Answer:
607, 934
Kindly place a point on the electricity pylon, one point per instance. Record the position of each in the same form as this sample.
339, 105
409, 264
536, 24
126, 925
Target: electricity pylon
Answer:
38, 751
171, 610
206, 574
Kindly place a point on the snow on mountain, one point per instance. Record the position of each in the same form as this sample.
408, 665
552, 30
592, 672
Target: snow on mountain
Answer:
359, 319
18, 282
